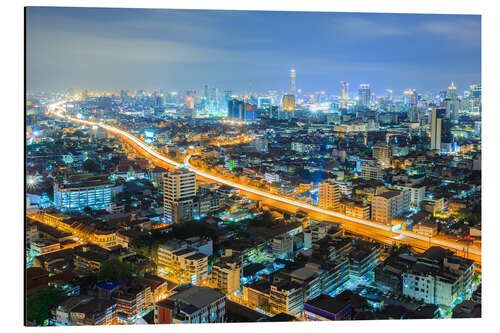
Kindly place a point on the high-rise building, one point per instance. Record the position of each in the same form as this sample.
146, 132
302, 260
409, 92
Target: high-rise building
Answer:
288, 102
179, 190
241, 110
292, 81
235, 109
440, 129
227, 97
344, 86
329, 195
475, 98
410, 98
264, 102
451, 93
205, 91
364, 94
441, 96
435, 130
452, 103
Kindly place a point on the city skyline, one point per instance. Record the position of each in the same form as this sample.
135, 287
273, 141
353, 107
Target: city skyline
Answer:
189, 166
110, 48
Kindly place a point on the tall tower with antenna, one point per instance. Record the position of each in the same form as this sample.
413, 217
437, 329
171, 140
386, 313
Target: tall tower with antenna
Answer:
344, 90
292, 80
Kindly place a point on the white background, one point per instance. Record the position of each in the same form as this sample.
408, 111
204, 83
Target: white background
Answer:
12, 163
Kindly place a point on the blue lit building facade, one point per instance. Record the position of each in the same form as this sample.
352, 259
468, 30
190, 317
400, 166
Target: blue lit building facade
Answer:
241, 111
77, 196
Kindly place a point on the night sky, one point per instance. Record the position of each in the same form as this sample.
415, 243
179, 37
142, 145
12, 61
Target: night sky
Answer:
114, 49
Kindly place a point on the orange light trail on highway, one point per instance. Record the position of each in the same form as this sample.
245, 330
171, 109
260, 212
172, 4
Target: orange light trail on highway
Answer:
255, 191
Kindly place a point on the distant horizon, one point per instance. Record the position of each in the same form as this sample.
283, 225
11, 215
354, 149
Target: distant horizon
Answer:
248, 51
352, 93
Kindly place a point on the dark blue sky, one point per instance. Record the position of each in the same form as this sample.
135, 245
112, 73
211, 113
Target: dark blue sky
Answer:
112, 49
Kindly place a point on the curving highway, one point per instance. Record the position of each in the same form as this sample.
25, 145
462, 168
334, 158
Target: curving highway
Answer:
364, 226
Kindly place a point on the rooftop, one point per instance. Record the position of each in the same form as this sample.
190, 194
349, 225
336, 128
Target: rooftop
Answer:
389, 194
303, 273
199, 297
332, 305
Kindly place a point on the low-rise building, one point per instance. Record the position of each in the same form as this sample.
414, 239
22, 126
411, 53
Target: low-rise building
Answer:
195, 267
389, 273
316, 232
363, 258
333, 274
282, 246
88, 258
193, 304
426, 228
331, 249
417, 192
287, 297
95, 312
371, 172
257, 294
435, 206
438, 277
132, 298
326, 308
159, 286
226, 274
80, 191
41, 247
184, 261
357, 210
310, 280
388, 205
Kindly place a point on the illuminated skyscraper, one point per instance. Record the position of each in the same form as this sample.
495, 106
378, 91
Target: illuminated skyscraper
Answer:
179, 190
442, 95
288, 102
410, 98
451, 93
364, 94
292, 81
451, 102
440, 129
241, 110
475, 105
263, 102
435, 130
227, 97
344, 86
